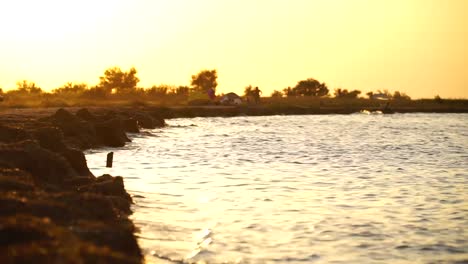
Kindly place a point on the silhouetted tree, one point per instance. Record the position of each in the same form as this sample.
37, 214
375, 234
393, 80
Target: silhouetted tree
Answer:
115, 78
289, 92
26, 87
95, 92
248, 91
204, 81
182, 90
276, 93
370, 94
385, 92
400, 96
344, 93
71, 88
159, 90
311, 87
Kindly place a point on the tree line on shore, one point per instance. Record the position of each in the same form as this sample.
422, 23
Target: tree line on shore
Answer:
121, 84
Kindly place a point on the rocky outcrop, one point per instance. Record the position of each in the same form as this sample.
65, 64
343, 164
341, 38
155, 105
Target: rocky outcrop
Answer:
111, 133
45, 166
50, 217
78, 133
131, 125
52, 208
51, 138
85, 115
11, 134
145, 120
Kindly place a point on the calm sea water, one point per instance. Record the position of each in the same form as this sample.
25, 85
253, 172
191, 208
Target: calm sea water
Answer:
299, 189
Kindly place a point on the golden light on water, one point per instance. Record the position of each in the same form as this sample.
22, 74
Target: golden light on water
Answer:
416, 46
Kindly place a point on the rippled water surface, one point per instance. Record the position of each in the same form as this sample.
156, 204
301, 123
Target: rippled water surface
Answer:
299, 189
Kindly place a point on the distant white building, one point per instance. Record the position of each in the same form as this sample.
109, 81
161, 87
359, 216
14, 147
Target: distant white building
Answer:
231, 99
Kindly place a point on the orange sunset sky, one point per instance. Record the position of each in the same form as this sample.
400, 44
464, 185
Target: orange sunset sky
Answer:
416, 46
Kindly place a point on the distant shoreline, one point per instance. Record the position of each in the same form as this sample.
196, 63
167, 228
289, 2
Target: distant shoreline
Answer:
185, 111
227, 111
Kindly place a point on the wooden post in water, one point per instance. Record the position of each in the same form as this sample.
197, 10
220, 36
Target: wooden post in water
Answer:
110, 157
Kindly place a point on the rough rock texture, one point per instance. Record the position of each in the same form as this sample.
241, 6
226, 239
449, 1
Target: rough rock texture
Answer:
131, 125
46, 167
52, 208
79, 133
111, 133
85, 115
11, 134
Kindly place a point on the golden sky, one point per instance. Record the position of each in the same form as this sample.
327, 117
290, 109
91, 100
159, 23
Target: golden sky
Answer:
416, 46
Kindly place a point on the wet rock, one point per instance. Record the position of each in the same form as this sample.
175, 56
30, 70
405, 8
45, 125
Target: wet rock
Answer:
107, 235
159, 122
88, 207
131, 125
111, 133
77, 182
108, 185
145, 120
77, 160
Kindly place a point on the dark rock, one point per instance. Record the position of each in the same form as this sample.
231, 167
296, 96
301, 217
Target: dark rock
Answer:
131, 125
15, 180
50, 138
111, 133
77, 182
44, 165
104, 177
52, 209
84, 114
159, 122
88, 206
63, 116
14, 233
78, 132
77, 160
109, 115
117, 236
11, 134
108, 185
31, 239
145, 120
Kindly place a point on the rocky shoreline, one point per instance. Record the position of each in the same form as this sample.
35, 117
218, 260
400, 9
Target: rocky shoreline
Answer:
53, 209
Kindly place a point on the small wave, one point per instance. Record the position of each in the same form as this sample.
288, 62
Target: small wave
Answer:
169, 259
313, 257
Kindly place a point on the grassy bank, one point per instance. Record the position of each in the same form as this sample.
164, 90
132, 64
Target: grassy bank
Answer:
181, 106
